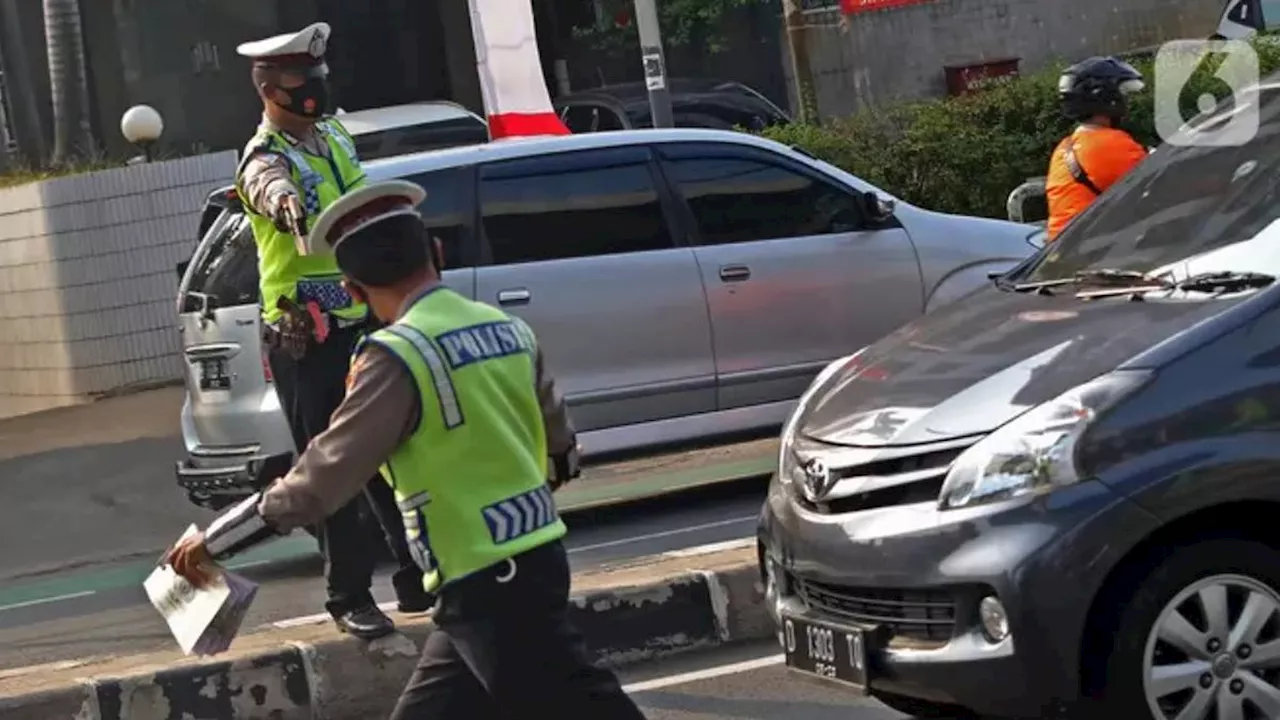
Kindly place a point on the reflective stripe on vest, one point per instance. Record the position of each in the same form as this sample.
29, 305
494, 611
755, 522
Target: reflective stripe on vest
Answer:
471, 480
282, 271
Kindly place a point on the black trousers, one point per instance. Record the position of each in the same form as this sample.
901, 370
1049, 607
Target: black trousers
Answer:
310, 390
503, 647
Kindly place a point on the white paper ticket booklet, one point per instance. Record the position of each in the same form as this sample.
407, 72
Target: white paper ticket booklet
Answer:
203, 621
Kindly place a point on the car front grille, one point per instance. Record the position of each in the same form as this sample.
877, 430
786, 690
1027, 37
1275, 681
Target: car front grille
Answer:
924, 616
870, 478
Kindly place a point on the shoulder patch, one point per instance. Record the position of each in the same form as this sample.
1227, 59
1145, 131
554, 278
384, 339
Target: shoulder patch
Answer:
358, 364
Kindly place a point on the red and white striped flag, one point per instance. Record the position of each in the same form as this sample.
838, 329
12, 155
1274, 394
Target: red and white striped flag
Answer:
515, 94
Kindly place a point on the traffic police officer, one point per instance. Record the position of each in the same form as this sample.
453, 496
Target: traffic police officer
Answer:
300, 162
453, 403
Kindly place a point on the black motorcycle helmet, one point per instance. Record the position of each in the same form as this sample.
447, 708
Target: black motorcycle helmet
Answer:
1098, 86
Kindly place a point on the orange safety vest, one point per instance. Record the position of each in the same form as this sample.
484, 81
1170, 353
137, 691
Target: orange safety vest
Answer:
1083, 166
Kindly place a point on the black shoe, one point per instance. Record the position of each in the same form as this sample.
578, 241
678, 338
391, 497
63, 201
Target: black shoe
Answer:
366, 623
417, 602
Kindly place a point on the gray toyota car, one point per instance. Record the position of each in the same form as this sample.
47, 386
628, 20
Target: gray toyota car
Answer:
686, 285
1059, 496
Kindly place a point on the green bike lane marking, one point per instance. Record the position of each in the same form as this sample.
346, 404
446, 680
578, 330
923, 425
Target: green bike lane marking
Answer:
574, 497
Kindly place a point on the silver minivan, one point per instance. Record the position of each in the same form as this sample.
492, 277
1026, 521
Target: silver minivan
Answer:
685, 284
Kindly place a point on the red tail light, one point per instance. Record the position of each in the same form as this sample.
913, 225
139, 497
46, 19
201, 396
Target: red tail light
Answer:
266, 369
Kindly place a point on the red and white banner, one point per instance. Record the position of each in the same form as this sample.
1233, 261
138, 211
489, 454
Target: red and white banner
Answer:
853, 7
515, 94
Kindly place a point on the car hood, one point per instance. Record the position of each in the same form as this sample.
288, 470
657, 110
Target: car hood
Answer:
971, 367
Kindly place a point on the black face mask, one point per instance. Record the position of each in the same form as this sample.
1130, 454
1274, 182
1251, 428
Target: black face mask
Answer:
310, 99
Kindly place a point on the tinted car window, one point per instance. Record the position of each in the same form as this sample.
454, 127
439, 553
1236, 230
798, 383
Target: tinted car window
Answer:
420, 138
608, 120
591, 118
446, 211
1184, 210
578, 118
580, 205
228, 270
743, 199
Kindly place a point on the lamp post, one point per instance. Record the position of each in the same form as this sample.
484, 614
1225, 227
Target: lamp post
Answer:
141, 125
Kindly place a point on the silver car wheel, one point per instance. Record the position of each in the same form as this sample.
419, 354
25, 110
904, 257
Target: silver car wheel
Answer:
1214, 653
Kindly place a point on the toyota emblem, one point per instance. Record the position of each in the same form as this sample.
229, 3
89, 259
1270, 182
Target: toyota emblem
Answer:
817, 479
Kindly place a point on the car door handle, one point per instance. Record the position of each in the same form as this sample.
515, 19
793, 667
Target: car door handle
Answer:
518, 296
734, 273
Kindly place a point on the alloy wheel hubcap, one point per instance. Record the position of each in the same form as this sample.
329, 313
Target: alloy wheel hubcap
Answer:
1214, 653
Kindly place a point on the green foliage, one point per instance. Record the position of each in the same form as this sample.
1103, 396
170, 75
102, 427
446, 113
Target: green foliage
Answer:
966, 154
683, 22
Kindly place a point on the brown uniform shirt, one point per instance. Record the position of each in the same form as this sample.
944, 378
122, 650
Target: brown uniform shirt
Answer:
380, 411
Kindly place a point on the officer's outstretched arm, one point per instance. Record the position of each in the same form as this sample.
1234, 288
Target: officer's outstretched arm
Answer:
264, 178
337, 464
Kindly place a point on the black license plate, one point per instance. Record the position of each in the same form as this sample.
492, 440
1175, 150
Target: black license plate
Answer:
214, 375
834, 653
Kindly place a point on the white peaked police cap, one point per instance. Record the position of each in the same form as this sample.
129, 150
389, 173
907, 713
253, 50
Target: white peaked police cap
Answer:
361, 208
311, 40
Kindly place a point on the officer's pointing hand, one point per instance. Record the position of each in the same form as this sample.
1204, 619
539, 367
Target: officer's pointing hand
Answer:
190, 559
288, 215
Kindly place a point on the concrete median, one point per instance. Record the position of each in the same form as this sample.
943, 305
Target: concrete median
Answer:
629, 612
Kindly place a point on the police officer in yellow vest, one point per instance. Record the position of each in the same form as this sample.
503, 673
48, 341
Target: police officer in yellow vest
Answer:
298, 163
453, 403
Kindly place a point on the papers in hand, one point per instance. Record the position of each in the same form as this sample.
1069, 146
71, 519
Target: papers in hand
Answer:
203, 621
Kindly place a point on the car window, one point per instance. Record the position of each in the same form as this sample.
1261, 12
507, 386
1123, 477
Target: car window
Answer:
608, 120
445, 212
579, 118
420, 138
571, 205
1187, 208
740, 199
227, 270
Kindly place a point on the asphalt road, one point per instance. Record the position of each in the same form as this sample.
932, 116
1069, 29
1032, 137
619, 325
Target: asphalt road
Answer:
106, 612
747, 682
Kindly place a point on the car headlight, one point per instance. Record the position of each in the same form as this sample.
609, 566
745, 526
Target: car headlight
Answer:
1035, 452
787, 458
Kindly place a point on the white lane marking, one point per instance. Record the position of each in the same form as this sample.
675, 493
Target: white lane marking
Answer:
42, 601
699, 550
705, 674
319, 618
711, 548
665, 533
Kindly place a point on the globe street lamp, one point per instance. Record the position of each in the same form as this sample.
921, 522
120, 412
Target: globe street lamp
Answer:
141, 125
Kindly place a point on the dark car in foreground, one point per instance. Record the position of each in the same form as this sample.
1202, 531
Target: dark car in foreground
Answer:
695, 103
1059, 495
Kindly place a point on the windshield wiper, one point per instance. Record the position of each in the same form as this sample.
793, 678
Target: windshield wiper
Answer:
1108, 277
1223, 281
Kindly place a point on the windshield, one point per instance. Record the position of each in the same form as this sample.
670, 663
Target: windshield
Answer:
1185, 210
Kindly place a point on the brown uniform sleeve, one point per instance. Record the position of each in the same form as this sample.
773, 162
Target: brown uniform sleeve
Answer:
555, 413
265, 177
380, 412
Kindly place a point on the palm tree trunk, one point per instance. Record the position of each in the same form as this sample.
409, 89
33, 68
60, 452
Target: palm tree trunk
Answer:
67, 82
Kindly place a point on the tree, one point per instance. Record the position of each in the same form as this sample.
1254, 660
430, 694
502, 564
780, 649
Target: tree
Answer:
682, 22
68, 84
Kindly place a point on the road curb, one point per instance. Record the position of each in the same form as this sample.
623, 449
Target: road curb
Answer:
338, 677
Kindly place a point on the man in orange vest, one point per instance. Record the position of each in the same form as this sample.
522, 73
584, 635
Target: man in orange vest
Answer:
1097, 153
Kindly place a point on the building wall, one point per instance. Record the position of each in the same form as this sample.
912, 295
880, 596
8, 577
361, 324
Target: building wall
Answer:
900, 53
88, 280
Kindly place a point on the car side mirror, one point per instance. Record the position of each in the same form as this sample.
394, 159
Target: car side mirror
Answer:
878, 209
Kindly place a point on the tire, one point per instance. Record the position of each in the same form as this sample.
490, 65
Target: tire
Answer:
1239, 571
923, 709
